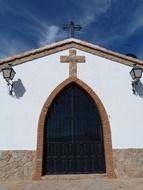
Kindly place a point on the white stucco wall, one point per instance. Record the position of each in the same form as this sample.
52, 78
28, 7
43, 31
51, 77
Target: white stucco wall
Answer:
111, 82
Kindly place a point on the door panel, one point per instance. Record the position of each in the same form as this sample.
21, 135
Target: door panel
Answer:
73, 141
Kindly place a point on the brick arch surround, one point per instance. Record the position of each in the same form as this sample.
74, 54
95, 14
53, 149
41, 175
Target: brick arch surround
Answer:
104, 119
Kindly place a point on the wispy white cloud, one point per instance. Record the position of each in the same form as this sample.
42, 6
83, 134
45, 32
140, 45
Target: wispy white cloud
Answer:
45, 35
44, 32
11, 47
110, 40
136, 20
121, 30
92, 10
51, 34
40, 30
89, 13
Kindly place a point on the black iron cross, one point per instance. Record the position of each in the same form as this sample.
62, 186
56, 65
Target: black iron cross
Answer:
72, 28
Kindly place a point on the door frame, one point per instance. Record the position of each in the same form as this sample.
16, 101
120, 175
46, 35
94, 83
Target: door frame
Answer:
104, 120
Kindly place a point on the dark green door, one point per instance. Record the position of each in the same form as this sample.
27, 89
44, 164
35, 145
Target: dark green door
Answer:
73, 141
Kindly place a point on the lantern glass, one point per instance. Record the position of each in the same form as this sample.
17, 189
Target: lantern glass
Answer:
136, 73
8, 73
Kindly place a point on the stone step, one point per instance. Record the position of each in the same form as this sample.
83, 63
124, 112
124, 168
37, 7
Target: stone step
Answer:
73, 177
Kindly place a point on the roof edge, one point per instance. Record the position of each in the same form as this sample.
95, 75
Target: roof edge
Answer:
70, 43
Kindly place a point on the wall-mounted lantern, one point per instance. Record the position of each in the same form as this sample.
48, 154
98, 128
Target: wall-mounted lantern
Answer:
136, 74
8, 75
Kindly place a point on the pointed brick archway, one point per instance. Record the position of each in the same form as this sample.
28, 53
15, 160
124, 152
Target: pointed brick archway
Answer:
104, 119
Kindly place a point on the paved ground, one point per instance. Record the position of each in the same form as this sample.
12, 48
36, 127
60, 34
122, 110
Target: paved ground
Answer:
82, 183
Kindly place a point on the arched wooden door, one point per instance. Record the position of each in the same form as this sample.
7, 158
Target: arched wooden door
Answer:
73, 136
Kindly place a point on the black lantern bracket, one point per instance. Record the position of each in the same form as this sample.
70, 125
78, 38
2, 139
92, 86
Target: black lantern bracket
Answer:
8, 75
10, 87
136, 74
134, 86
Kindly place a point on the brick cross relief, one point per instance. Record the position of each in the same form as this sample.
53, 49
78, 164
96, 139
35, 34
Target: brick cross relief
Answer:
72, 59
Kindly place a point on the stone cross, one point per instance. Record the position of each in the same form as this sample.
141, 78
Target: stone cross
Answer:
72, 59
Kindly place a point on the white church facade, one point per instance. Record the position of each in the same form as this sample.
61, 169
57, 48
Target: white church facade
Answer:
72, 111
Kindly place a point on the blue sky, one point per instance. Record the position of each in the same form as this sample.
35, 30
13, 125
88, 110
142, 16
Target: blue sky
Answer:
113, 24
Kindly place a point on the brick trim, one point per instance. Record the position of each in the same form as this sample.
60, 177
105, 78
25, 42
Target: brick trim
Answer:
67, 44
104, 119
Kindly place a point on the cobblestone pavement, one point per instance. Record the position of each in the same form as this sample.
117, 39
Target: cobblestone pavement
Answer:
74, 184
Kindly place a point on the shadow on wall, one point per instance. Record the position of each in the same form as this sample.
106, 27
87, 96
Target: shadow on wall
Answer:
18, 88
139, 89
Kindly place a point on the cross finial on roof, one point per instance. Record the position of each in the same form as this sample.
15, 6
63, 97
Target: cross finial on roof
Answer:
72, 28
